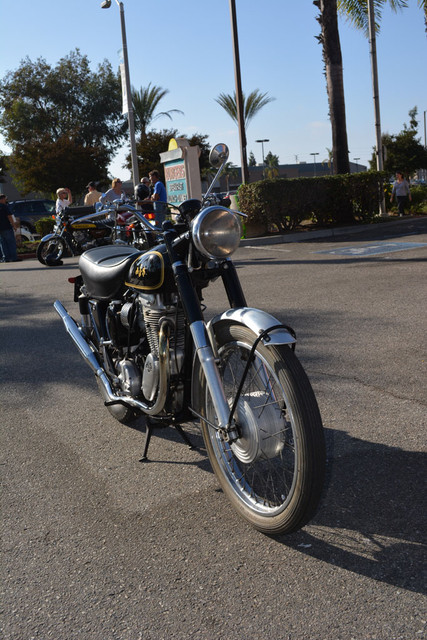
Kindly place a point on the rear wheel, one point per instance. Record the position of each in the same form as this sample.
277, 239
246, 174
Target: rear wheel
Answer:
50, 252
273, 474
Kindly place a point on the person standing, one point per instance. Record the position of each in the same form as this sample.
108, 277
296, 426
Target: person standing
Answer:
64, 199
158, 197
115, 193
92, 196
142, 195
401, 191
7, 233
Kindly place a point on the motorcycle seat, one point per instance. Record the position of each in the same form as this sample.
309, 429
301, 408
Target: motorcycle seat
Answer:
104, 269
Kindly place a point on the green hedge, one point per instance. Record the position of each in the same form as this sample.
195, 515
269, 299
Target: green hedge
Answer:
283, 203
44, 226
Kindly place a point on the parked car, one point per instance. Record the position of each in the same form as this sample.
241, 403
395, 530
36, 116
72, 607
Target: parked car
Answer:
29, 211
23, 235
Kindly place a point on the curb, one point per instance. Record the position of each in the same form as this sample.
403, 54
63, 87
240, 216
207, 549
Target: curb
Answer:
301, 236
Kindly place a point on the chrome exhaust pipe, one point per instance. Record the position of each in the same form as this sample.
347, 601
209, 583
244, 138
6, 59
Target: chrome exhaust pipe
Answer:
89, 357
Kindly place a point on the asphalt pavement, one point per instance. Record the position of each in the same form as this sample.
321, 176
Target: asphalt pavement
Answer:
99, 546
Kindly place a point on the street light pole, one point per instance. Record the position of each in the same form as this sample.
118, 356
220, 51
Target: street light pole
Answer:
135, 171
314, 157
262, 143
357, 166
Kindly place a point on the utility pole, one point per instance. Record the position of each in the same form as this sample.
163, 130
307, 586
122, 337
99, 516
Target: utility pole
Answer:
239, 96
374, 68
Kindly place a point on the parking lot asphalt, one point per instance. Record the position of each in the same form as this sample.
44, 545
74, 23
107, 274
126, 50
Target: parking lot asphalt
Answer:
99, 546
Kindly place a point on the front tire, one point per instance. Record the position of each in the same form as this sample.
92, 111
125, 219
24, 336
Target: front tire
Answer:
273, 474
50, 252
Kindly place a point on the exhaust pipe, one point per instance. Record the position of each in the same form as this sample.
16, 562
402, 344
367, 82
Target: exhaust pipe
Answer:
89, 357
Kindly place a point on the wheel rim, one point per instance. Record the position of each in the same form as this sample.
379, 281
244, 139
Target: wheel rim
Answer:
261, 467
53, 247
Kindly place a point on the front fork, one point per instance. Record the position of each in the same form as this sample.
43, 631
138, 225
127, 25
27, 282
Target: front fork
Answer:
203, 347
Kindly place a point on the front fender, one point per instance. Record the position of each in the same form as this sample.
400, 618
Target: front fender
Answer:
257, 321
49, 237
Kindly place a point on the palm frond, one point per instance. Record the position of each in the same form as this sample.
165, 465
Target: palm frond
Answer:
251, 105
356, 11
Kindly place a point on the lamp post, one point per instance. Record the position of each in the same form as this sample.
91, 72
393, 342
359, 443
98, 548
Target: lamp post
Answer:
262, 144
357, 166
135, 172
314, 158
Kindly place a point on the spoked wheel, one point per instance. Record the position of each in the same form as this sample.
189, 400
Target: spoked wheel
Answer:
273, 474
50, 252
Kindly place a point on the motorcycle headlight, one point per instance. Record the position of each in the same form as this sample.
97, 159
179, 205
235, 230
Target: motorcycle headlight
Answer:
216, 232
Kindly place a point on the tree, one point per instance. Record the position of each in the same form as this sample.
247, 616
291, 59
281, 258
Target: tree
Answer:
357, 12
405, 151
230, 171
156, 142
271, 165
251, 105
145, 102
50, 113
331, 47
252, 160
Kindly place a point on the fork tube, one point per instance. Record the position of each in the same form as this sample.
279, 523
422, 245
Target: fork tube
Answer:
194, 315
232, 286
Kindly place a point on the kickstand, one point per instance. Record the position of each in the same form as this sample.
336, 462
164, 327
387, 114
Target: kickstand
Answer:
150, 424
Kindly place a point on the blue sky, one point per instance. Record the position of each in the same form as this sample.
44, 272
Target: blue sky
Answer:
186, 47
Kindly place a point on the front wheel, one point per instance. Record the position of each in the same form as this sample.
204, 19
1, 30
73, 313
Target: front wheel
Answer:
273, 474
50, 252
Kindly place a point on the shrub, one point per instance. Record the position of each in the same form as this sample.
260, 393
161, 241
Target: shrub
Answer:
286, 202
44, 226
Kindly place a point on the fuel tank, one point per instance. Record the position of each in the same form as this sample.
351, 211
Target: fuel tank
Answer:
152, 272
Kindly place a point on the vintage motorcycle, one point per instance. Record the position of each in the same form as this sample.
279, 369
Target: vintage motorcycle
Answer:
143, 333
76, 229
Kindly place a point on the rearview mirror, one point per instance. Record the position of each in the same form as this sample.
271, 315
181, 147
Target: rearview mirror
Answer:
218, 155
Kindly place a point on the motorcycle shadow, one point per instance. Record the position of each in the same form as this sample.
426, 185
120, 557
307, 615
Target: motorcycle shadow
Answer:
372, 518
188, 435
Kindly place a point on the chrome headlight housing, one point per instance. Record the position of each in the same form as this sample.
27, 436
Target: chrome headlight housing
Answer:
216, 232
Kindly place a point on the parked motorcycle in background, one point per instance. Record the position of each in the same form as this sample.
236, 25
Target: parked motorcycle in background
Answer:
76, 229
143, 332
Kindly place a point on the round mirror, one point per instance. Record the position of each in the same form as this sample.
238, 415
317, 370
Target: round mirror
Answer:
218, 155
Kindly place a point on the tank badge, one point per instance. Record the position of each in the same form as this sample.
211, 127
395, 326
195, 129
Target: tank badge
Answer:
147, 272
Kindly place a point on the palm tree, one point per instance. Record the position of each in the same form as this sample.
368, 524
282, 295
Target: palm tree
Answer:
330, 41
251, 105
145, 102
271, 169
357, 12
230, 171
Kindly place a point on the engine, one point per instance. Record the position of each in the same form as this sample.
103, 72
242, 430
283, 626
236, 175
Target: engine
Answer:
134, 329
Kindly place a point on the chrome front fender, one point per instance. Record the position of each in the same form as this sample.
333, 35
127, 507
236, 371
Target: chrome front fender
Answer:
49, 237
257, 321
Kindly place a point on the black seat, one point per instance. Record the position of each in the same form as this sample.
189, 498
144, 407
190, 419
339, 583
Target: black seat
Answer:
104, 269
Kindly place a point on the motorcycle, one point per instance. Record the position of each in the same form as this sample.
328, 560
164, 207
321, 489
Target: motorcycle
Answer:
75, 230
143, 333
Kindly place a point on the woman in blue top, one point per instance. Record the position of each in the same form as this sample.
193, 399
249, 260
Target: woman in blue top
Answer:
401, 191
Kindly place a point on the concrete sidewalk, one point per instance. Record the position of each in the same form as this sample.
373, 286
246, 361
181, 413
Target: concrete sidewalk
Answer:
333, 233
